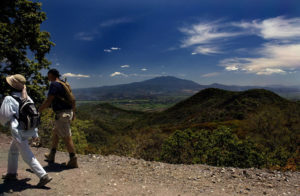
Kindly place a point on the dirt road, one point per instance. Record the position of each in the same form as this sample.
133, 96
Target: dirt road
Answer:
113, 175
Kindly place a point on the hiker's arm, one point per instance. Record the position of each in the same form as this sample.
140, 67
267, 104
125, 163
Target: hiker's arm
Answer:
46, 103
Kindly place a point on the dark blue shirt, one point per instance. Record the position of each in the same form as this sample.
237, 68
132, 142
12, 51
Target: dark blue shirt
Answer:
57, 90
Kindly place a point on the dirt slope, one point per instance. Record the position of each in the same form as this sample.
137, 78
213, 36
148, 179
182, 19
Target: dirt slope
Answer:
113, 175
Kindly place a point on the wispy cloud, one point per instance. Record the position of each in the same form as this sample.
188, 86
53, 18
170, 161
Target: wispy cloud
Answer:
205, 38
117, 21
107, 50
144, 69
118, 74
125, 66
278, 55
210, 74
115, 48
112, 49
72, 75
85, 36
91, 35
279, 28
273, 58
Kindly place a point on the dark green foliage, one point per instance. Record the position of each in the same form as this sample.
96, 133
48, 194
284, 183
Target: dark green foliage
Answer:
23, 45
219, 147
260, 129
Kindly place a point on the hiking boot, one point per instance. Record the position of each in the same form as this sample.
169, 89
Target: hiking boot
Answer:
50, 157
44, 180
10, 177
72, 163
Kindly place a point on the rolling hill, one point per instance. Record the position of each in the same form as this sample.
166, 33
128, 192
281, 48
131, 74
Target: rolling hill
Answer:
264, 120
214, 104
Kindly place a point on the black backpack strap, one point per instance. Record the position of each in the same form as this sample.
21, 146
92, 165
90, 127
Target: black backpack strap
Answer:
19, 100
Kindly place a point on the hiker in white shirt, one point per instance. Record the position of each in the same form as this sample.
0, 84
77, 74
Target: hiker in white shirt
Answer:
9, 114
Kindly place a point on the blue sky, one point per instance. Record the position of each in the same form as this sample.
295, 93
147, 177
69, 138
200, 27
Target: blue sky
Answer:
241, 42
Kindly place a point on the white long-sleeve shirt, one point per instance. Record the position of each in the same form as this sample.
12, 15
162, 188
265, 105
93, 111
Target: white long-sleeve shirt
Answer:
9, 109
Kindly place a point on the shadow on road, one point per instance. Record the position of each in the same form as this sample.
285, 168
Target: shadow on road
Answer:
53, 167
17, 186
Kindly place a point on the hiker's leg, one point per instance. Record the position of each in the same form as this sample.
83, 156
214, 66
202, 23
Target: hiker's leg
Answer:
50, 157
29, 158
72, 163
69, 144
55, 139
13, 155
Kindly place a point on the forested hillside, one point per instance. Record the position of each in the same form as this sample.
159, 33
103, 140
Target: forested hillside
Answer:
254, 128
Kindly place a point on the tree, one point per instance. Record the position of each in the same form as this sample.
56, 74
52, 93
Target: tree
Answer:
23, 45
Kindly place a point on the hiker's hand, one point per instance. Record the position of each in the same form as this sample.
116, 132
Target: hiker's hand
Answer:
35, 139
35, 142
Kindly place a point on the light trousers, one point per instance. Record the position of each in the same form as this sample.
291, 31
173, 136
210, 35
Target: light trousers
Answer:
22, 147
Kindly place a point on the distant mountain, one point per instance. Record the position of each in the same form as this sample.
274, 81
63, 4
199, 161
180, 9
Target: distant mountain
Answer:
160, 86
168, 86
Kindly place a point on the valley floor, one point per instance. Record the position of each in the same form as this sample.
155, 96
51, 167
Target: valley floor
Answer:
113, 175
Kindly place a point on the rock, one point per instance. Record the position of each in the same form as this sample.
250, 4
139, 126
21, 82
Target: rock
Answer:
223, 170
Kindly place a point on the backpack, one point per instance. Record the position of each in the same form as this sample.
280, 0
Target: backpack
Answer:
29, 117
70, 98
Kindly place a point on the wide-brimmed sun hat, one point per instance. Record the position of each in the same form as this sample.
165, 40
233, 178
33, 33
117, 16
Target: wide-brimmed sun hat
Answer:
16, 81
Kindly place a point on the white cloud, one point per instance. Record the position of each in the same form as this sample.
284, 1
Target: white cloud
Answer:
85, 36
115, 48
206, 50
118, 74
112, 49
209, 37
107, 50
205, 38
71, 75
279, 28
210, 74
281, 52
273, 59
125, 66
113, 22
144, 69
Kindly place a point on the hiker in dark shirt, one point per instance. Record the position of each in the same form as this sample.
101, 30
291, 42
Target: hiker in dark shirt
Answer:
64, 109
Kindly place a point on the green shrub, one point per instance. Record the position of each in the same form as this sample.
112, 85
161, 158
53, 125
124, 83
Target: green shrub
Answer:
219, 147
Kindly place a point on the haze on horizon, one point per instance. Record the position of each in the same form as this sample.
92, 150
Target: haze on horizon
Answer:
235, 42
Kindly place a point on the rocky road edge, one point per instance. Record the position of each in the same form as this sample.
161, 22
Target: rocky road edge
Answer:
114, 175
